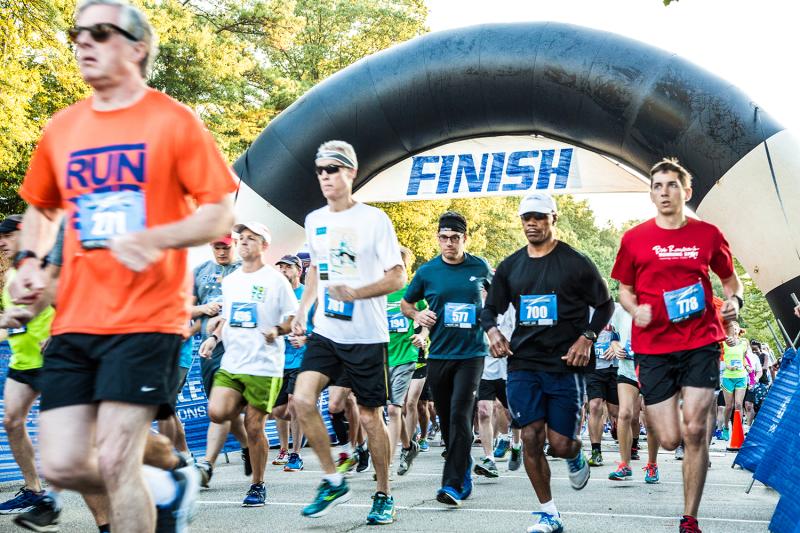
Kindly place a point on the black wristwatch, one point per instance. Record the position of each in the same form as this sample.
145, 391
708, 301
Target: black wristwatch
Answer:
215, 337
591, 335
740, 300
21, 256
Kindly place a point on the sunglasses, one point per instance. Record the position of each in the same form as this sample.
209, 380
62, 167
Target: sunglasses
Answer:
455, 238
100, 32
328, 169
534, 215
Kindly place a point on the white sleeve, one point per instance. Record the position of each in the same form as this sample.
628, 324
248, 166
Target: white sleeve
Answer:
309, 241
387, 247
288, 301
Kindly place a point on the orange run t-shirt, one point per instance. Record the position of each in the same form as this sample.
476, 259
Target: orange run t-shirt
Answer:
117, 171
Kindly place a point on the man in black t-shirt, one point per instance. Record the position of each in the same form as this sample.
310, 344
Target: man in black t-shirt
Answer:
551, 286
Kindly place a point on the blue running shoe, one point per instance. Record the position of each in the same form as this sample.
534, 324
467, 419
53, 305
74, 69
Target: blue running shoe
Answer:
327, 498
423, 445
578, 471
295, 463
651, 473
256, 496
175, 517
382, 511
24, 500
547, 524
466, 487
622, 472
449, 496
502, 449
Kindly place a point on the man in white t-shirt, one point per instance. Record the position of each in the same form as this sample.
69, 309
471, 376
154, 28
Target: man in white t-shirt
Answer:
257, 308
355, 263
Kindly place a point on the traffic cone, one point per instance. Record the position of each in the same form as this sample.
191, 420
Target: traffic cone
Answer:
737, 436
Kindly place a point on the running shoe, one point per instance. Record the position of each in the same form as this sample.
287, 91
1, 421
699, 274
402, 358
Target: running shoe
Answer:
175, 517
718, 434
382, 511
487, 468
726, 434
547, 523
346, 463
614, 430
501, 450
43, 516
596, 459
651, 473
363, 459
449, 496
516, 459
282, 458
689, 525
679, 453
642, 430
622, 472
256, 496
634, 454
248, 467
206, 470
327, 498
407, 458
423, 445
548, 450
444, 454
294, 464
23, 501
578, 471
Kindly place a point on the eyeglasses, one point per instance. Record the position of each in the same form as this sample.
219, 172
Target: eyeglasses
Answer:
534, 215
328, 169
455, 238
100, 32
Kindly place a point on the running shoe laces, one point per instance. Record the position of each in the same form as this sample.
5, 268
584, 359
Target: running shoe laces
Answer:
576, 464
689, 525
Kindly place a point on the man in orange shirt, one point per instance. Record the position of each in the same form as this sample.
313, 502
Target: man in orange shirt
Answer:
121, 166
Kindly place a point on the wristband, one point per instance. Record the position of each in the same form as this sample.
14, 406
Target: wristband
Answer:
740, 300
214, 336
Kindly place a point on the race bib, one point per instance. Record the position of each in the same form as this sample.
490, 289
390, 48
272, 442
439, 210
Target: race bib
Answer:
244, 315
104, 215
628, 352
397, 323
736, 364
538, 310
686, 303
459, 315
17, 331
603, 343
337, 309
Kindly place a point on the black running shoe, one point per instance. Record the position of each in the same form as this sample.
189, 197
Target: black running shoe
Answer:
363, 459
248, 468
41, 517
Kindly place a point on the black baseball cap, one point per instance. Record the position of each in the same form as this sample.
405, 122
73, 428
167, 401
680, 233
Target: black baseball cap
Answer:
10, 224
291, 260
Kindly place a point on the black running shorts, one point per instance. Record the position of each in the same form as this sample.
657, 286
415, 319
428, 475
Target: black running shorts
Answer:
662, 376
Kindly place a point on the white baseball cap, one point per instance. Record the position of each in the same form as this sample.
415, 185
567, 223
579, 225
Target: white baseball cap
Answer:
256, 227
538, 202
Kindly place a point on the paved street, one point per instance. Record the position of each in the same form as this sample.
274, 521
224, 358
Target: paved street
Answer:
500, 505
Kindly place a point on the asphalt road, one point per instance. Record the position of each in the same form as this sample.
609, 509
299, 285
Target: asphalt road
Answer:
499, 505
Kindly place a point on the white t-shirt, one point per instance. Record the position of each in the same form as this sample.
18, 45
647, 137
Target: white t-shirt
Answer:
498, 368
355, 248
252, 303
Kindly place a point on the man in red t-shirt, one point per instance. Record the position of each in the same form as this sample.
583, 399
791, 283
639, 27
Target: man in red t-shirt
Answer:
126, 168
663, 269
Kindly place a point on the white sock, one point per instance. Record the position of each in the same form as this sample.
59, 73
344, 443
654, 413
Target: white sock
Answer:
334, 479
56, 496
549, 508
161, 484
345, 448
517, 445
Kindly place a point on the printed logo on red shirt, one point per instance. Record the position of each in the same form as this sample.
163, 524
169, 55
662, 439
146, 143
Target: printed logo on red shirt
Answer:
668, 253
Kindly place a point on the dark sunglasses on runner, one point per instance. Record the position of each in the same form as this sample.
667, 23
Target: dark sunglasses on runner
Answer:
329, 169
534, 215
100, 32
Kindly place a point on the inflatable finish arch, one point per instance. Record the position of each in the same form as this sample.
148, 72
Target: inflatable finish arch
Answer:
591, 89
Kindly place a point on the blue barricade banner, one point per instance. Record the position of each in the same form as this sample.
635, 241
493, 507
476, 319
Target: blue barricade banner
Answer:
192, 409
760, 436
786, 518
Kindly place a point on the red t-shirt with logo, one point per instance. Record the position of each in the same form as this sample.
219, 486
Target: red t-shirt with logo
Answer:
653, 261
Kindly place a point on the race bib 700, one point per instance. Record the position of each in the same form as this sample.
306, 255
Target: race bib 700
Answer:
538, 310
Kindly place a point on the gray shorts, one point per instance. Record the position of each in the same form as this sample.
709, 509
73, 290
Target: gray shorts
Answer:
399, 381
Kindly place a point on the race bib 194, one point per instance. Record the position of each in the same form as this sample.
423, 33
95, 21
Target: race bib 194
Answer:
103, 215
538, 310
685, 303
397, 322
459, 315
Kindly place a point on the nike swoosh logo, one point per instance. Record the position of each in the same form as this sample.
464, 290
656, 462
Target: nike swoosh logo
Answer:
147, 389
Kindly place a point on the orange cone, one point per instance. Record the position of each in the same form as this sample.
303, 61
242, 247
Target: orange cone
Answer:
737, 436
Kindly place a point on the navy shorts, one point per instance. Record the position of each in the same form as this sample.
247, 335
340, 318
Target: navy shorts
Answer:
554, 397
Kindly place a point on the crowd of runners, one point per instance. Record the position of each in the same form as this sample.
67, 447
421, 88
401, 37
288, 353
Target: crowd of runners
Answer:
529, 357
